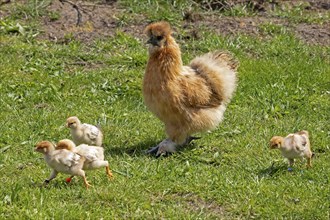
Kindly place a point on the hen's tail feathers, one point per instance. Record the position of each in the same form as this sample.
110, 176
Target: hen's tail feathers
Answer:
226, 58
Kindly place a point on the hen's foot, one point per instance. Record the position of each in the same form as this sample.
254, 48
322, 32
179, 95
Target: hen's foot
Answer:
163, 148
168, 147
190, 139
153, 150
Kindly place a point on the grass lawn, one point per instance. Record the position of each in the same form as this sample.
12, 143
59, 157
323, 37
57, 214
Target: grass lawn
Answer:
230, 173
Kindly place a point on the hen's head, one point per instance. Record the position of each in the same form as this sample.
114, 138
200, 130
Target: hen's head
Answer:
276, 142
44, 147
72, 122
158, 33
65, 144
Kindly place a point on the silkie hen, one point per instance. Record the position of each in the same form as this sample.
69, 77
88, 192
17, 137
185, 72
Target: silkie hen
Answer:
187, 99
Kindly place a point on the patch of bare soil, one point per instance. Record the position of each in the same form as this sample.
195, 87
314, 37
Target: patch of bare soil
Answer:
84, 21
231, 26
87, 20
194, 203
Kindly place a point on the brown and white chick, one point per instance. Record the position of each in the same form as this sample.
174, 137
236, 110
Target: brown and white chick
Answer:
294, 146
187, 99
94, 155
84, 133
62, 161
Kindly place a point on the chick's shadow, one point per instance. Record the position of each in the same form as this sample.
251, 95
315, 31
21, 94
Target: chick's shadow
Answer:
272, 170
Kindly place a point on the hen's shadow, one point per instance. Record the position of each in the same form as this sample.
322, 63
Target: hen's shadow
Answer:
138, 149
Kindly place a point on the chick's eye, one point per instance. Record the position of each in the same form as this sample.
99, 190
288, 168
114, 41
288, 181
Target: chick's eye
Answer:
159, 37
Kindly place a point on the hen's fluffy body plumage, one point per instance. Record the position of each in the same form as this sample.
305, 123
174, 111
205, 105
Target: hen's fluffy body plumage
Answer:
293, 146
188, 99
62, 161
84, 133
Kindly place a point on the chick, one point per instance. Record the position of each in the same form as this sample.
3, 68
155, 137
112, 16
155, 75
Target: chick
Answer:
62, 161
187, 99
94, 155
293, 146
84, 133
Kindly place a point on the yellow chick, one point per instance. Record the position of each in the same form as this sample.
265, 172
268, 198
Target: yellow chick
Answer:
94, 155
294, 146
62, 161
84, 133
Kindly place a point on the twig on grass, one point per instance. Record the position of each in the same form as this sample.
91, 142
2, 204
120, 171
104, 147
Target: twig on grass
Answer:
79, 14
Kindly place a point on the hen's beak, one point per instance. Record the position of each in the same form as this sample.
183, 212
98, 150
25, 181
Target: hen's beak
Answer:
153, 41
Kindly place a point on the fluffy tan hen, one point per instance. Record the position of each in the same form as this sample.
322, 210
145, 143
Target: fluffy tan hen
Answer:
62, 161
294, 146
187, 99
94, 155
84, 133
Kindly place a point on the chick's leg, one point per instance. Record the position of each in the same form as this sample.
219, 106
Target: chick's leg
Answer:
52, 176
108, 171
82, 174
309, 162
87, 185
99, 164
291, 162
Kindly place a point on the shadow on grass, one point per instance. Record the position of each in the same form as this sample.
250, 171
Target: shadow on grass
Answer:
141, 148
138, 149
272, 170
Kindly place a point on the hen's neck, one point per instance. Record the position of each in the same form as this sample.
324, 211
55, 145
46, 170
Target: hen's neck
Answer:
167, 59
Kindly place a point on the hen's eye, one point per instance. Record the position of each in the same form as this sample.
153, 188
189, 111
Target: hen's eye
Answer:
159, 37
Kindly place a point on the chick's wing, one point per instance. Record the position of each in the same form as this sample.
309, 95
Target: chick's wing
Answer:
91, 131
91, 153
67, 158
